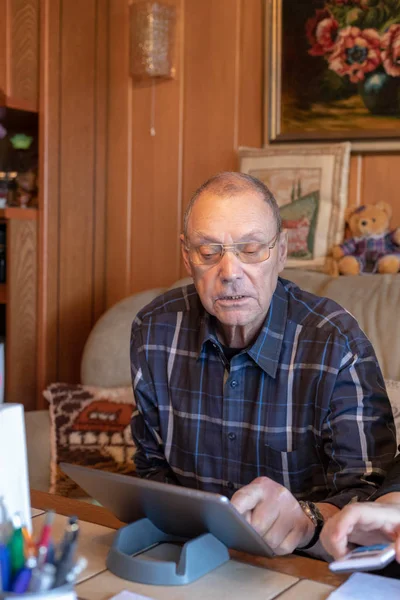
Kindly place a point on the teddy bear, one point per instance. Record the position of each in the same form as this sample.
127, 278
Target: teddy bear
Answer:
372, 248
26, 193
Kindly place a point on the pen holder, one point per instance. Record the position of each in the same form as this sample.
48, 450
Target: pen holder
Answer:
62, 590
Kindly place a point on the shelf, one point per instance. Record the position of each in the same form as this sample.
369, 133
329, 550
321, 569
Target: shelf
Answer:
15, 212
3, 293
17, 103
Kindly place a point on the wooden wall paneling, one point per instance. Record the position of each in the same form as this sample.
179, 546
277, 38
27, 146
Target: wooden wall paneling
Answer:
119, 162
210, 100
156, 172
3, 45
100, 158
23, 52
77, 139
210, 77
381, 181
250, 73
354, 179
21, 321
49, 195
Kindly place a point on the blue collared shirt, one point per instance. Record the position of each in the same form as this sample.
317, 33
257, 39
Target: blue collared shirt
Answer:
305, 404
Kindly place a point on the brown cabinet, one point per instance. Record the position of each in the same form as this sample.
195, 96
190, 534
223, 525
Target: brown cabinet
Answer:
19, 293
19, 53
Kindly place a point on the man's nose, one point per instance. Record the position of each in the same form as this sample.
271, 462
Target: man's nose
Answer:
230, 267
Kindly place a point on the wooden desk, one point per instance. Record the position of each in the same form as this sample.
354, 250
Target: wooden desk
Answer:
245, 576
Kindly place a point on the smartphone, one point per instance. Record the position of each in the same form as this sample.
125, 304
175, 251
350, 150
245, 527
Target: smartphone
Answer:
365, 558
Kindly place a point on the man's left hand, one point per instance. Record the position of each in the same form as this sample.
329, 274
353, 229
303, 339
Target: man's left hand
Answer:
275, 513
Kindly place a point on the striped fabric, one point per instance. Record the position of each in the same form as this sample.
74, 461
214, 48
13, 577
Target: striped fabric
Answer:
305, 404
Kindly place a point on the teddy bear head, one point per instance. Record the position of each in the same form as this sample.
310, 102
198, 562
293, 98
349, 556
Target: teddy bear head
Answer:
368, 219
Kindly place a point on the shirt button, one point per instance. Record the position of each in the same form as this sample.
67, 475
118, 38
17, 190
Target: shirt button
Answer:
230, 485
234, 383
232, 436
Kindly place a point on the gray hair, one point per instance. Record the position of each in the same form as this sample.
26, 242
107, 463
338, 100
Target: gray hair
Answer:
230, 183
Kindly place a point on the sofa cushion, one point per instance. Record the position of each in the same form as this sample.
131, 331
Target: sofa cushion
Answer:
105, 360
374, 301
89, 426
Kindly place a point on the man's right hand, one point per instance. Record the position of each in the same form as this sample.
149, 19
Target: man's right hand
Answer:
362, 523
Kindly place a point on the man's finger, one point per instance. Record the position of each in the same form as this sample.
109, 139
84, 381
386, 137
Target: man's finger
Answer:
247, 498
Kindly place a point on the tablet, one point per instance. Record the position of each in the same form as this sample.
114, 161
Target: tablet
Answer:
174, 509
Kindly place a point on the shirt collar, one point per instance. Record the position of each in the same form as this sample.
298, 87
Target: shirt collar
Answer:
266, 349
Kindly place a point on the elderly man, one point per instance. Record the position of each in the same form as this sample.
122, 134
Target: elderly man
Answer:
250, 387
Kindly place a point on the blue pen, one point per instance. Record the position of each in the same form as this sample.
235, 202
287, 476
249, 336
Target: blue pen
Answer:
5, 568
21, 582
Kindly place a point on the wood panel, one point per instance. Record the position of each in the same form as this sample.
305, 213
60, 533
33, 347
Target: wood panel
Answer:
250, 74
156, 172
211, 88
100, 158
119, 164
23, 51
74, 83
49, 178
3, 45
77, 146
210, 105
200, 118
381, 181
21, 332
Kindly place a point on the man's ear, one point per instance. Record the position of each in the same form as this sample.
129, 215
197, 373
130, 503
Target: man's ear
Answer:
185, 255
282, 250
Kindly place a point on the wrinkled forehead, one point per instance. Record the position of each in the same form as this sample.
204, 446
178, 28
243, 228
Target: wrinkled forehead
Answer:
222, 218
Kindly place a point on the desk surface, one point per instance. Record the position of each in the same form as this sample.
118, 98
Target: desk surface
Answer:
245, 576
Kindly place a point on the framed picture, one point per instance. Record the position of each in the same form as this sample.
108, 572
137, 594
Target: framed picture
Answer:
333, 72
310, 185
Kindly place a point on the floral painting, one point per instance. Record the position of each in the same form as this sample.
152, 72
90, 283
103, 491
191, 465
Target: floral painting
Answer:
337, 64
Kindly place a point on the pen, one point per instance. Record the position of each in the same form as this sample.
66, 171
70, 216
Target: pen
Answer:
42, 578
44, 540
29, 544
16, 546
68, 547
76, 570
21, 582
5, 568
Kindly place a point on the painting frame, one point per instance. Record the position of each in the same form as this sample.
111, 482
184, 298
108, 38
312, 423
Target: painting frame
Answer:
361, 142
331, 162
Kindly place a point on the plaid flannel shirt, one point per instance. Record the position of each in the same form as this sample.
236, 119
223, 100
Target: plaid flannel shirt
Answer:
369, 250
305, 404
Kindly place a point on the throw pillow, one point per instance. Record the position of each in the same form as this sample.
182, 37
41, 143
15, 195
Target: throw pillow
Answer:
90, 426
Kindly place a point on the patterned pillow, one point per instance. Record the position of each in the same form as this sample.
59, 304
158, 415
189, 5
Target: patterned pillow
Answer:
89, 426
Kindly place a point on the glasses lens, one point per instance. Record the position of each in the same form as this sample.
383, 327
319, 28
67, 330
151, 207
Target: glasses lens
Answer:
207, 254
252, 252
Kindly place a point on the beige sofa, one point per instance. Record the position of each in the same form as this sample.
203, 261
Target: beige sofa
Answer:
373, 299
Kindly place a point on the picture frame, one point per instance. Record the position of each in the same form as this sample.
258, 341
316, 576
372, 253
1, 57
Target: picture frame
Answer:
310, 184
317, 111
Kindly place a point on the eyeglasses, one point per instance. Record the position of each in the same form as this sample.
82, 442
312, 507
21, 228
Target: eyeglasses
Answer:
246, 252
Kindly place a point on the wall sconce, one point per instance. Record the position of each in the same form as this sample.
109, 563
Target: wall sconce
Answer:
152, 40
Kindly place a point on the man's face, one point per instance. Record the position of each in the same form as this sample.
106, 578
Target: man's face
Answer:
238, 294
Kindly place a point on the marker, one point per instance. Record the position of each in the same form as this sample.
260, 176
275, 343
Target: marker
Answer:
5, 568
21, 582
16, 546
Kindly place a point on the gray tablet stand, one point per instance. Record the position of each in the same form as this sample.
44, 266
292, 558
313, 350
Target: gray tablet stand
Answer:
167, 561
